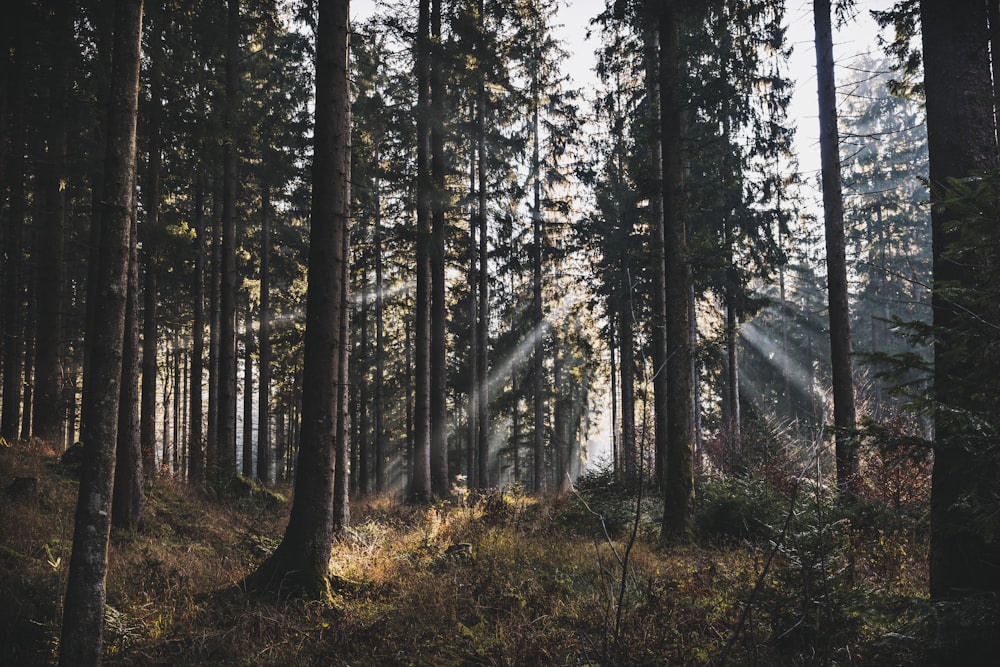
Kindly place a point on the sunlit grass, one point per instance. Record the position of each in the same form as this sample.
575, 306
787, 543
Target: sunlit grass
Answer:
498, 579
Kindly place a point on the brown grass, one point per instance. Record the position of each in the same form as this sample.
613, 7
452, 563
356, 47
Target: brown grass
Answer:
537, 584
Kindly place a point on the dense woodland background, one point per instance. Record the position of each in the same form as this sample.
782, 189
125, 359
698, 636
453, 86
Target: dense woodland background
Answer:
417, 285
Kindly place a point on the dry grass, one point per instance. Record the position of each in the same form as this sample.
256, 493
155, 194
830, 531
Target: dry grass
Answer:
506, 580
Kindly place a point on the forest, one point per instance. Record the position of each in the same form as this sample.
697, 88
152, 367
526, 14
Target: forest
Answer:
383, 341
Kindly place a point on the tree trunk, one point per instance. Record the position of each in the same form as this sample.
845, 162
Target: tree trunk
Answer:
961, 138
420, 489
678, 508
264, 344
379, 398
83, 611
228, 276
214, 338
48, 406
538, 380
482, 361
301, 561
440, 484
196, 443
247, 393
655, 188
844, 417
13, 334
151, 238
128, 500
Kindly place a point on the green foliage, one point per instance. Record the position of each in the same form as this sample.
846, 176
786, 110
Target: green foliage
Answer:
739, 507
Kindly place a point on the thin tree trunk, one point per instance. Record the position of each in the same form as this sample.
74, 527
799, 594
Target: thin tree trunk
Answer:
214, 338
228, 276
247, 393
196, 443
420, 489
440, 484
651, 38
13, 334
147, 418
83, 610
379, 426
844, 417
678, 510
482, 361
264, 345
48, 407
128, 499
538, 380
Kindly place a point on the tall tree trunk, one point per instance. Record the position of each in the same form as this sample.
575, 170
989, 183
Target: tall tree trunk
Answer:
48, 406
214, 338
844, 417
678, 509
196, 443
13, 334
626, 339
440, 484
227, 293
961, 139
471, 408
247, 393
341, 486
651, 38
83, 610
264, 344
302, 559
151, 232
379, 398
363, 472
128, 499
538, 380
420, 489
482, 361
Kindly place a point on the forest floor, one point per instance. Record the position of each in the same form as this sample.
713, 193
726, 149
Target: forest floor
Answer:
505, 579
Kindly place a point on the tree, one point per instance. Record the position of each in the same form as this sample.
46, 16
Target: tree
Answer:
83, 614
678, 510
961, 136
301, 561
226, 418
48, 407
844, 416
420, 488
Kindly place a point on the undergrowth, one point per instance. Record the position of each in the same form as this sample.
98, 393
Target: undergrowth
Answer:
498, 579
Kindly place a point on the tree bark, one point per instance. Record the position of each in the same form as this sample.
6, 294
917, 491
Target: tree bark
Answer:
420, 489
83, 612
228, 276
264, 345
13, 334
247, 452
301, 561
48, 407
128, 499
440, 483
151, 233
537, 315
844, 417
961, 138
482, 361
678, 507
196, 443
